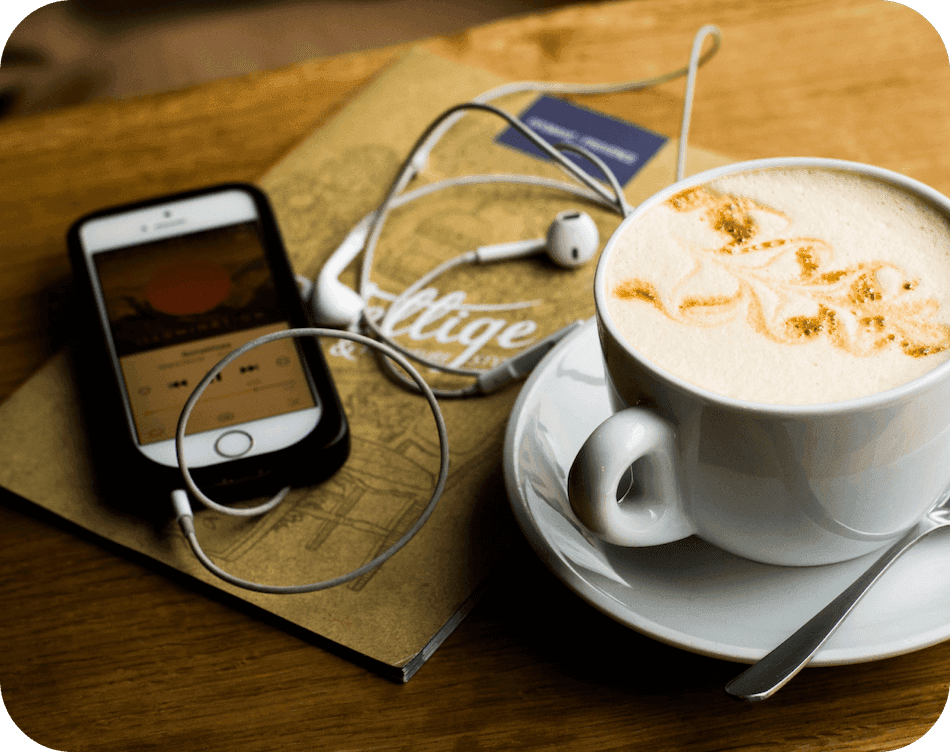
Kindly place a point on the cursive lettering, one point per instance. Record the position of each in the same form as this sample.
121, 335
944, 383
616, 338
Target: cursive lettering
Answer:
425, 316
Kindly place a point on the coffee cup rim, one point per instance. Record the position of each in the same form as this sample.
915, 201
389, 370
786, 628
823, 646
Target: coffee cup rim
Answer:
901, 392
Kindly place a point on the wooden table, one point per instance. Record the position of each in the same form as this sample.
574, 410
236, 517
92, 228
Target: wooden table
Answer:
100, 653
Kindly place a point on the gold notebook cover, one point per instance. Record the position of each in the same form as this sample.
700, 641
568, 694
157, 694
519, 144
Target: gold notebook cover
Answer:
393, 618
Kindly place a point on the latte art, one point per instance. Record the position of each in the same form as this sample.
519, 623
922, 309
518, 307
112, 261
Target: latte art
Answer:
792, 286
860, 309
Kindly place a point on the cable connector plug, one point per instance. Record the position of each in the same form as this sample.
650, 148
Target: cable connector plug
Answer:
522, 364
181, 504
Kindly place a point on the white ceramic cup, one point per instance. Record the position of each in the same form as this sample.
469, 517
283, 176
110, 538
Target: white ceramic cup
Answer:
792, 485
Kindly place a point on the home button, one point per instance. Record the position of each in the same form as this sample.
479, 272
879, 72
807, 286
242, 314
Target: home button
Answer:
233, 444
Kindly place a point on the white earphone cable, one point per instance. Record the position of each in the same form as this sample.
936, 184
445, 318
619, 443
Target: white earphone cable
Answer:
421, 157
695, 60
622, 206
182, 507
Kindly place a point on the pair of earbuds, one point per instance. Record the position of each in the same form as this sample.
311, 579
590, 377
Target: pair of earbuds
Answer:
571, 241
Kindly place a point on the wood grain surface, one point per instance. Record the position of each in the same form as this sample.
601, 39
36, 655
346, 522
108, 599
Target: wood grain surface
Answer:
102, 653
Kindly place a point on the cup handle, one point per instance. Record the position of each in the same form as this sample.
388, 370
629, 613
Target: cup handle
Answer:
653, 511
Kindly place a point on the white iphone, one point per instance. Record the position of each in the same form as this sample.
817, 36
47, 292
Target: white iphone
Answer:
173, 285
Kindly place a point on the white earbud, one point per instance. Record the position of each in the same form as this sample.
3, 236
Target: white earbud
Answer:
572, 240
335, 304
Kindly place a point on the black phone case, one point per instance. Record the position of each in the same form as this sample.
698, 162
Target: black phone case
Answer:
133, 483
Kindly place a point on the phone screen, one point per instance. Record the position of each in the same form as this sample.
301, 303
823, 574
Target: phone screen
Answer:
175, 307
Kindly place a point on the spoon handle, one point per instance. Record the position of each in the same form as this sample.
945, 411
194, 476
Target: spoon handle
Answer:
766, 677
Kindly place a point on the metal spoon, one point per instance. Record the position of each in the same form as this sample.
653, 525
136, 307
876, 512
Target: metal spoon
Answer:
766, 677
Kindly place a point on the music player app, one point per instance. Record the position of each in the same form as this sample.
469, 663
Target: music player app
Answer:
179, 305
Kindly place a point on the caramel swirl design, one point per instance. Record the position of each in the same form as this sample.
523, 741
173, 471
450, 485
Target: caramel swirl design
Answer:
788, 288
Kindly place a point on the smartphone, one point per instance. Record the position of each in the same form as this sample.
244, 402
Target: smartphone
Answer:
170, 286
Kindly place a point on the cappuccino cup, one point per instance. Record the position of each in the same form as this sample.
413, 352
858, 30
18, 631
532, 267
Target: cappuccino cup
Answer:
776, 342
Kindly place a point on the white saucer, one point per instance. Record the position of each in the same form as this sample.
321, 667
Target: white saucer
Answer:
691, 594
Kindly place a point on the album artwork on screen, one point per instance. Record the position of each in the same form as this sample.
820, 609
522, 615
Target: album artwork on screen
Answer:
178, 305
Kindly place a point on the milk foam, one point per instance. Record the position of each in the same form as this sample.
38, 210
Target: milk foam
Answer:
787, 286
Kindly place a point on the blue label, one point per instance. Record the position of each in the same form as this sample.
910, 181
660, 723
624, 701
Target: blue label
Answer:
624, 147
